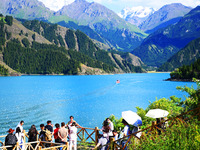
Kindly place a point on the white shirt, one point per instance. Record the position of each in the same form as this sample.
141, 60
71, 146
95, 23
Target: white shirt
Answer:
72, 133
111, 126
125, 130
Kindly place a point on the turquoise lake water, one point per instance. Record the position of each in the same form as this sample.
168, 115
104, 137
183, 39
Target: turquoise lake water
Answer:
90, 99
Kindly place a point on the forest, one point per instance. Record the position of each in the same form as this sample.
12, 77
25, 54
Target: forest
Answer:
187, 71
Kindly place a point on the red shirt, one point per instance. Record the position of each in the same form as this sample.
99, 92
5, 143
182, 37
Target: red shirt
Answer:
56, 133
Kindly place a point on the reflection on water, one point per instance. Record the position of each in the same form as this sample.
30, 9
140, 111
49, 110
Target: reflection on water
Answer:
90, 99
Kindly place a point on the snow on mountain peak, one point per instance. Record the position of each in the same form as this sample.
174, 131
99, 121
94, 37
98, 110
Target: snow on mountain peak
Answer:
138, 11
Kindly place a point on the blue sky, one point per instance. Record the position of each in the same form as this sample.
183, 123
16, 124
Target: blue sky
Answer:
118, 5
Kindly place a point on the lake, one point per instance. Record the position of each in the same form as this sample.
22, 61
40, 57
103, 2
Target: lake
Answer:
90, 99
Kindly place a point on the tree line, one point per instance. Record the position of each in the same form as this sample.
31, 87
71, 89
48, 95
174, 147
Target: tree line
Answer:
187, 72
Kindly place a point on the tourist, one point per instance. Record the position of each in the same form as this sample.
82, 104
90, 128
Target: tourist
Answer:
106, 129
102, 142
63, 133
115, 135
32, 133
126, 132
19, 133
136, 129
71, 121
20, 125
42, 135
73, 136
110, 124
163, 126
158, 124
49, 126
10, 139
49, 132
56, 137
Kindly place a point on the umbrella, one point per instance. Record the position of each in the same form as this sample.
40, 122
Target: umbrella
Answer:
157, 113
131, 118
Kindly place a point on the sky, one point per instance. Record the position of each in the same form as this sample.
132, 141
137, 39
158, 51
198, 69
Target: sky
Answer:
118, 5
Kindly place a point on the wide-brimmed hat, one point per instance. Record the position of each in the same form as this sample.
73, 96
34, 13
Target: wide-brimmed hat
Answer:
10, 130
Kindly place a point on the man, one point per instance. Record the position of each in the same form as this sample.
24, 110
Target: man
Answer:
63, 133
49, 126
42, 135
10, 139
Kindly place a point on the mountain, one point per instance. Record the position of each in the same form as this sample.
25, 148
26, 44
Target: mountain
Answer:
121, 34
159, 46
185, 56
26, 9
167, 15
35, 47
136, 15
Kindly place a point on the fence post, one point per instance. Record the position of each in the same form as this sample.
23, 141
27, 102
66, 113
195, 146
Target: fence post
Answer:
83, 134
112, 143
40, 147
96, 135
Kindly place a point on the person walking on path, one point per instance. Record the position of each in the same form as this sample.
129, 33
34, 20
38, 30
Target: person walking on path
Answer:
10, 139
73, 136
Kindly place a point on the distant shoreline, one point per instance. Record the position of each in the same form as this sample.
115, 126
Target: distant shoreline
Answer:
179, 80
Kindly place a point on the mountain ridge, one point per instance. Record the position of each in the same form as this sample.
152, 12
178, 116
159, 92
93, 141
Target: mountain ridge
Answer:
159, 46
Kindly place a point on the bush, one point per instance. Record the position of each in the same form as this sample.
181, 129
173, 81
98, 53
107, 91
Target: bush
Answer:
179, 136
9, 20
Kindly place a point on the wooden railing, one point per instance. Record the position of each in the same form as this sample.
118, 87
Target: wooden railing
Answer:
84, 135
38, 146
88, 134
153, 129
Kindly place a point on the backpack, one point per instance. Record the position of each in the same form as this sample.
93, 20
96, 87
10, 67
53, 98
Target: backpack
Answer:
11, 139
48, 135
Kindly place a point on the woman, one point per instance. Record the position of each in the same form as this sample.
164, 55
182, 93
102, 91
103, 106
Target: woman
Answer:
32, 133
20, 137
106, 129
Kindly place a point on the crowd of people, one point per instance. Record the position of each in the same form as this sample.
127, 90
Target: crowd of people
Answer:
60, 134
68, 133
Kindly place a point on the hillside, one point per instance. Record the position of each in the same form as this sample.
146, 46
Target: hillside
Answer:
113, 29
36, 47
165, 16
159, 46
185, 56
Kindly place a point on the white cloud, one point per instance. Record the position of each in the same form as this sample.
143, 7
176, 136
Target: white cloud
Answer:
118, 5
